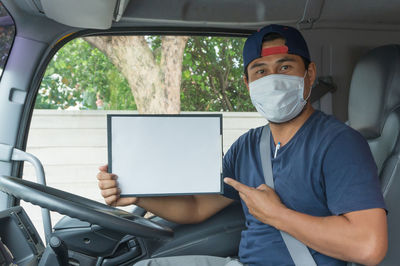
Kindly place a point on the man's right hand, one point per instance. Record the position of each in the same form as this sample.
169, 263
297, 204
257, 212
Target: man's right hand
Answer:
110, 191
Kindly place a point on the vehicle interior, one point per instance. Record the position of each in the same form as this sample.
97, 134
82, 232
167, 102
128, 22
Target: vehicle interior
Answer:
355, 45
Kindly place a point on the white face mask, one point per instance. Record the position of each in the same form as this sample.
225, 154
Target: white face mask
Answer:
279, 98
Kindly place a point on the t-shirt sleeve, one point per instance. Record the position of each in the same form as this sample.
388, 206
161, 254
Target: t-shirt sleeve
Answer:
350, 175
228, 166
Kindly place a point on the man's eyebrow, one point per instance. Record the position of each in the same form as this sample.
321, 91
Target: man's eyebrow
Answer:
285, 59
279, 61
257, 65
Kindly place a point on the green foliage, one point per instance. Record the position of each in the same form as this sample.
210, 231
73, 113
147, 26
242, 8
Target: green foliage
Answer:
212, 78
80, 75
154, 43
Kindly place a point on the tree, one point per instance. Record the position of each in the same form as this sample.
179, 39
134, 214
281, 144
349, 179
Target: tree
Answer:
154, 84
78, 75
213, 75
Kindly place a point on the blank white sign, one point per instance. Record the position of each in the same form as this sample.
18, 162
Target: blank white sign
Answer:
166, 155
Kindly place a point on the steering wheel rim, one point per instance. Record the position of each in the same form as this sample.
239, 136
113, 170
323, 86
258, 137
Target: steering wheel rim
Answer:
84, 209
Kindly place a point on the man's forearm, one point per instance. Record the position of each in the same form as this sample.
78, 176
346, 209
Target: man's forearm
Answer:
184, 209
346, 238
178, 209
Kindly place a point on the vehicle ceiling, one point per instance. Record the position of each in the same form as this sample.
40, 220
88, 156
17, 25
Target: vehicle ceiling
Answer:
229, 14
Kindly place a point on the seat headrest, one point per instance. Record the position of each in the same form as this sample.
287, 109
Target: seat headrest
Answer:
374, 90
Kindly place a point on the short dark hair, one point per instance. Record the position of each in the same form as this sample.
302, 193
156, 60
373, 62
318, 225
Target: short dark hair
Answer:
272, 37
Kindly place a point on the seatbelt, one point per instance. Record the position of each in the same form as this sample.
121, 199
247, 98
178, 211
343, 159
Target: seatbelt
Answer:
298, 251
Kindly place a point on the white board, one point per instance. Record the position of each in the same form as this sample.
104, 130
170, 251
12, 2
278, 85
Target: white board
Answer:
166, 154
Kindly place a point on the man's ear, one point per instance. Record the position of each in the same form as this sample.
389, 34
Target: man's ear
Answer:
246, 82
312, 73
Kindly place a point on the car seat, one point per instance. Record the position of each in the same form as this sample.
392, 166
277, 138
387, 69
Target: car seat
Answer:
374, 110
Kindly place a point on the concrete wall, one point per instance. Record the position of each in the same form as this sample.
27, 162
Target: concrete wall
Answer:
72, 144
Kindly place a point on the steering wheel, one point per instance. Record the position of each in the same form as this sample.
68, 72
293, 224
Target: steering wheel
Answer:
83, 209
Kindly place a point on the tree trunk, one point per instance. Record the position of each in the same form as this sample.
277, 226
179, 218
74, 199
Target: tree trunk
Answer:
155, 86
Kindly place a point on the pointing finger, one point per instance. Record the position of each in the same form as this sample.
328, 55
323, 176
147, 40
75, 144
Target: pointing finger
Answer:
237, 185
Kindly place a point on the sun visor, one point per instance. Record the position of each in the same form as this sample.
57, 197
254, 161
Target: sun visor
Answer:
93, 14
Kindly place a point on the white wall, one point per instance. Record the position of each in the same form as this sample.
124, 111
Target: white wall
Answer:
72, 144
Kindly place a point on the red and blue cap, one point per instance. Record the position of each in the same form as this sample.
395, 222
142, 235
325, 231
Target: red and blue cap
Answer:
295, 44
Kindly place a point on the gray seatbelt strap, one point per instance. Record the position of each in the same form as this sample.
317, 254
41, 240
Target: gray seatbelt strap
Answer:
298, 251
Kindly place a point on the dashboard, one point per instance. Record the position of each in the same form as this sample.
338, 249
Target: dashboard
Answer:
76, 242
19, 241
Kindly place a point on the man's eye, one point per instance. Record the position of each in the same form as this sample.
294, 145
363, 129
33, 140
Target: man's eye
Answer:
261, 71
283, 68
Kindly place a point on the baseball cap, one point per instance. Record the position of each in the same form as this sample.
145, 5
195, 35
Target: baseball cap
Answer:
295, 43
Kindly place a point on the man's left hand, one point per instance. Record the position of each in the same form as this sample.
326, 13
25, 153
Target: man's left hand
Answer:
263, 203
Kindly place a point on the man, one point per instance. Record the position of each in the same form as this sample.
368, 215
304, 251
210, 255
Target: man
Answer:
327, 193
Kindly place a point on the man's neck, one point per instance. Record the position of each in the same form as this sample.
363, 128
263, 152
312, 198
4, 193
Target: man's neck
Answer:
284, 132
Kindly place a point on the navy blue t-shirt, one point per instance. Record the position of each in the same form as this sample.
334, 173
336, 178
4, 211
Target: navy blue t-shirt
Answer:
326, 169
